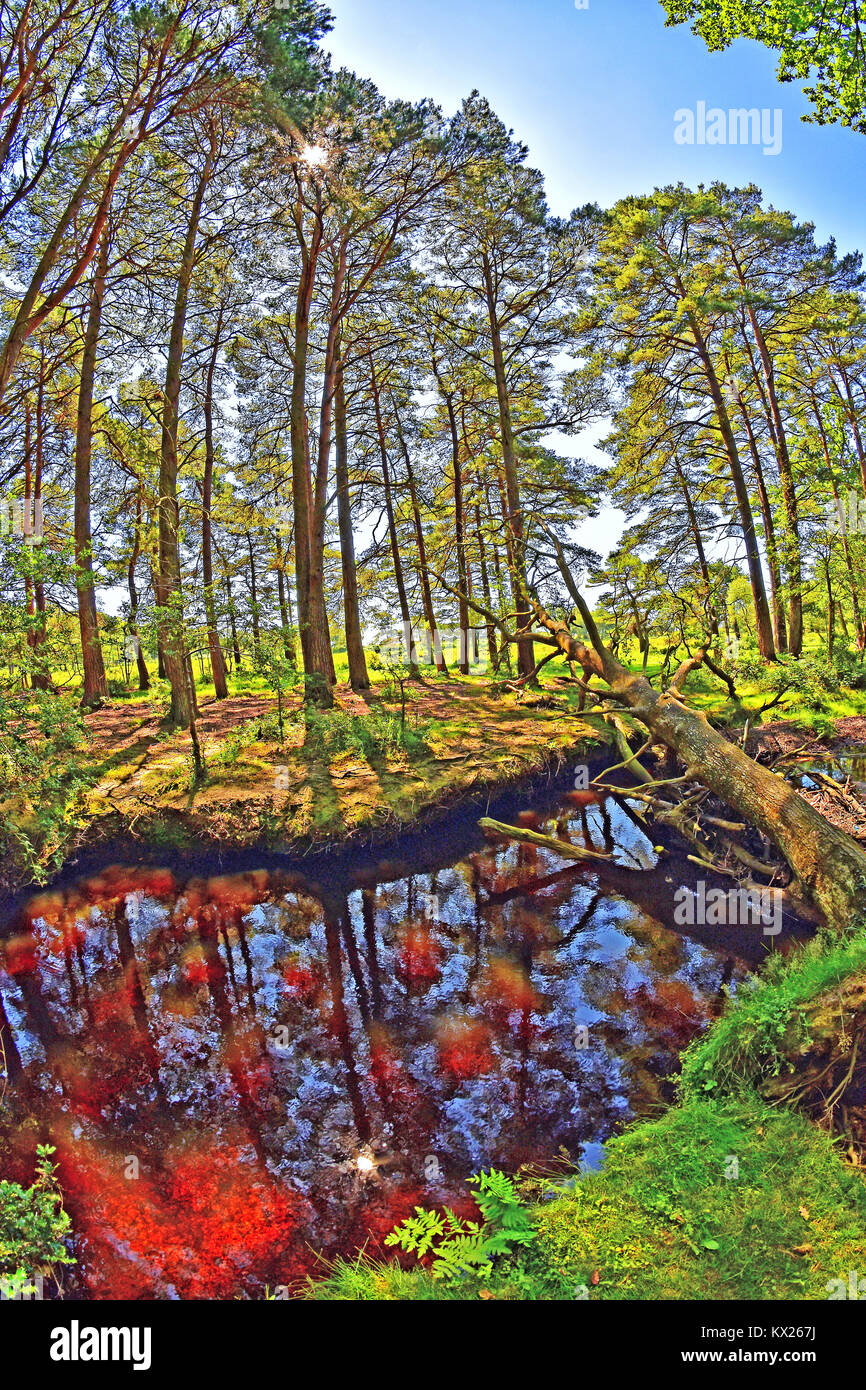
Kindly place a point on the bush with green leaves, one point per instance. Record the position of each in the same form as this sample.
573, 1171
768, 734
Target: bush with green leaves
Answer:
812, 680
33, 1229
467, 1249
373, 735
850, 666
42, 741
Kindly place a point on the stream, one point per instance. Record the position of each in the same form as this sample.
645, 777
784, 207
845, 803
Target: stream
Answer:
245, 1072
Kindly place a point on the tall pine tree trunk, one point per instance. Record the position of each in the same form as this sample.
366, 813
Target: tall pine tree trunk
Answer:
399, 580
217, 663
95, 685
460, 537
312, 614
763, 621
132, 625
358, 676
170, 593
514, 515
778, 608
423, 569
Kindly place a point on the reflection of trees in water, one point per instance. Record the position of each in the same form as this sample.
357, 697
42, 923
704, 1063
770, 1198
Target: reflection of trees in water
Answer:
430, 1014
10, 1057
359, 949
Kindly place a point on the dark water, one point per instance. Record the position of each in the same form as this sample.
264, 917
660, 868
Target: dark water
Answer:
841, 767
240, 1071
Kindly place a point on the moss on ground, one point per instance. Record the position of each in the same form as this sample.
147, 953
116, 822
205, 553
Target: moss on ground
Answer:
756, 1039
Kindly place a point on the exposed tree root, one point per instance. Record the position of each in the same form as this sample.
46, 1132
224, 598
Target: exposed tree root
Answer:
826, 1054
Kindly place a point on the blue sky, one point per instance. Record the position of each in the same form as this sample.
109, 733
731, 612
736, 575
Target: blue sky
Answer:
593, 92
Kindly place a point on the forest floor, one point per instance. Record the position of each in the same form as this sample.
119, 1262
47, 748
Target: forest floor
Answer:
369, 768
363, 769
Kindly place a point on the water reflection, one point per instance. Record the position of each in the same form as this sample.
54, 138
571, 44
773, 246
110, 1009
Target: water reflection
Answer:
212, 1056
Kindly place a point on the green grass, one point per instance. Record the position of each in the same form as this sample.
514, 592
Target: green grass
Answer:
705, 691
666, 1219
707, 694
749, 1042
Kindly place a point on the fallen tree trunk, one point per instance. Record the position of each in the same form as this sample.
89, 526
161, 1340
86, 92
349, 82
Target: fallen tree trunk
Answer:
829, 865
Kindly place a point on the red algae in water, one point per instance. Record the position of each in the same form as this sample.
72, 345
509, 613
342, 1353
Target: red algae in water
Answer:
20, 955
418, 959
303, 981
583, 798
238, 1224
464, 1048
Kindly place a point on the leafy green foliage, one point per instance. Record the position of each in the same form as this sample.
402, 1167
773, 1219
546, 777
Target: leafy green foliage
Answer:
41, 739
850, 667
373, 735
812, 680
819, 39
33, 1228
462, 1249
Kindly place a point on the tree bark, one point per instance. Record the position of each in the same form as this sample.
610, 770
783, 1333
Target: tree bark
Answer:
254, 599
423, 569
460, 536
780, 628
141, 664
405, 613
230, 603
359, 678
763, 624
95, 685
514, 512
218, 666
485, 588
793, 549
312, 615
170, 592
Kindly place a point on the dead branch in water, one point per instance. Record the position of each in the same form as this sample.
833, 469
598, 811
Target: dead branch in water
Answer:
532, 837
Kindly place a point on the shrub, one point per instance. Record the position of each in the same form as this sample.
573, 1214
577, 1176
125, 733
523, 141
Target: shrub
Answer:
33, 1228
373, 735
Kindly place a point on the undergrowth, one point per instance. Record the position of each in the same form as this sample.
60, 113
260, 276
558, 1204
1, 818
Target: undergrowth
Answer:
374, 735
33, 1229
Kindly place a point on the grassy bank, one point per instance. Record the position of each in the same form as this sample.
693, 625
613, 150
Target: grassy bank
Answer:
290, 778
281, 777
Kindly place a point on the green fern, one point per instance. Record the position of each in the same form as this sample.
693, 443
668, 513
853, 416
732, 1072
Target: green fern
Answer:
464, 1249
417, 1233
